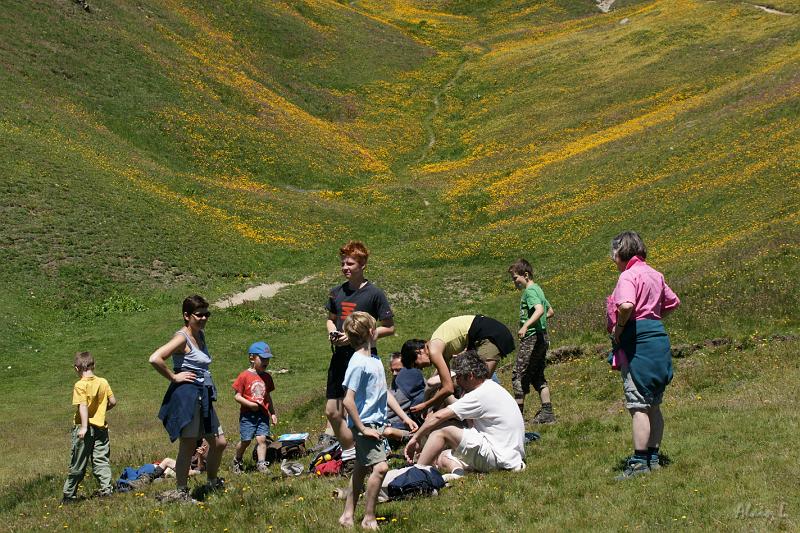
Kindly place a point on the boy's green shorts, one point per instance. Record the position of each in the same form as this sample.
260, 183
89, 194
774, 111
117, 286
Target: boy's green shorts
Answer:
371, 451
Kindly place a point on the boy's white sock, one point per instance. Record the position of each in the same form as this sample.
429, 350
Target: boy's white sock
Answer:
348, 454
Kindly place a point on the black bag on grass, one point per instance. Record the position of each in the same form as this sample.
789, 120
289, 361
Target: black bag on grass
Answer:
280, 450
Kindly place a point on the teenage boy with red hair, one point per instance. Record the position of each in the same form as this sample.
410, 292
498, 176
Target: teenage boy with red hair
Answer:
356, 294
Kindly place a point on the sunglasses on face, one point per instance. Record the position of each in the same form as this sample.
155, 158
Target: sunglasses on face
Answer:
206, 314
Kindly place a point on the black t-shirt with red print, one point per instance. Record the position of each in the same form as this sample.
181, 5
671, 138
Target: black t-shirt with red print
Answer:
343, 300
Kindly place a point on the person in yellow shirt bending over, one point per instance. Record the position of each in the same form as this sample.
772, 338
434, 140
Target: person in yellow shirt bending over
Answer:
490, 338
92, 397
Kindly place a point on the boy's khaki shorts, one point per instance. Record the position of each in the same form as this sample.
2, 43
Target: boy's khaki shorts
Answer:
371, 451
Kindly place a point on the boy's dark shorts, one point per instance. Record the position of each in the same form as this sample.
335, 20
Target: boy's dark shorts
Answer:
336, 370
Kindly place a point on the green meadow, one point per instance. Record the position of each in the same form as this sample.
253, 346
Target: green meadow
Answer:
151, 150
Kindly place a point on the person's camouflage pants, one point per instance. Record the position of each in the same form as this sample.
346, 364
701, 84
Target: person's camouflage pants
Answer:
529, 368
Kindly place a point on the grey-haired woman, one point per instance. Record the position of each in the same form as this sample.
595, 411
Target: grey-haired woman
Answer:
641, 346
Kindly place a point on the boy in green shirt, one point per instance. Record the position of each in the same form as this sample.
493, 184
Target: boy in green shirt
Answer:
92, 397
534, 310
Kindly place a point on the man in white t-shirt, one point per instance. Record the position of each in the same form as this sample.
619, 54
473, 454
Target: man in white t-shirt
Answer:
495, 439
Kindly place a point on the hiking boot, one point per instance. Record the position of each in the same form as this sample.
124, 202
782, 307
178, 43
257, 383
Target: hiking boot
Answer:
531, 436
262, 466
68, 500
176, 496
347, 468
211, 486
633, 467
543, 416
140, 482
237, 467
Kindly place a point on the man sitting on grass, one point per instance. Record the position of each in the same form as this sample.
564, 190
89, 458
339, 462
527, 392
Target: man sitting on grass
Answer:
495, 439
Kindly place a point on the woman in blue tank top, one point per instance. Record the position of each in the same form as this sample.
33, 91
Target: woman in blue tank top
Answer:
187, 410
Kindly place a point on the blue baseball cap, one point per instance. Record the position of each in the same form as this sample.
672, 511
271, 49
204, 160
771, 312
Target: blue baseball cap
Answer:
260, 349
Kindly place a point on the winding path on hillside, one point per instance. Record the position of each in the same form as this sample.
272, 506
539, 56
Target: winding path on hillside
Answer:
427, 121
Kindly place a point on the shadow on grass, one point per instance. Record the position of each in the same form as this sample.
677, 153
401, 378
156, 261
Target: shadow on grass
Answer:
38, 488
304, 407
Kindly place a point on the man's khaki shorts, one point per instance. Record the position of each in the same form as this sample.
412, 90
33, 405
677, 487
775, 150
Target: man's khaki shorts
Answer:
474, 452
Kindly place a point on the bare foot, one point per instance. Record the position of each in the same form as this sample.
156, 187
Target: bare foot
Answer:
346, 520
369, 523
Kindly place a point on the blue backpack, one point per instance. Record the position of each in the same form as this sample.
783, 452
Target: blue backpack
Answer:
415, 482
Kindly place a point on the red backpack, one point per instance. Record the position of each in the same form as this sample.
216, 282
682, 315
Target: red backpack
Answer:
328, 468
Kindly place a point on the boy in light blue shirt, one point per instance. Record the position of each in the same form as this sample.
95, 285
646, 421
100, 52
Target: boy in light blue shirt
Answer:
365, 402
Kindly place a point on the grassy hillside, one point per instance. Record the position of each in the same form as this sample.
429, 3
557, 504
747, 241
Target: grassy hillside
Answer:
153, 149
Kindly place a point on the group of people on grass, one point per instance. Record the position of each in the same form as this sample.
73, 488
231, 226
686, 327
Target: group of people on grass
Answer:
458, 420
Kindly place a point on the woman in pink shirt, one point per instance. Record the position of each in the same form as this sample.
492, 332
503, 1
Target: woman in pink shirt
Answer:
641, 346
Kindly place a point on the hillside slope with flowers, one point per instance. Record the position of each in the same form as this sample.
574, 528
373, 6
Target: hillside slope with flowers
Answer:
149, 150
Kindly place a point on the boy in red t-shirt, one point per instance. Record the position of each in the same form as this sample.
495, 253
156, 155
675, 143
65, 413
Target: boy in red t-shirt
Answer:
253, 388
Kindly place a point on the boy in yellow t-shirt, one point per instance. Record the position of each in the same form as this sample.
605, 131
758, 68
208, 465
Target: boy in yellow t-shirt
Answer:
92, 397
